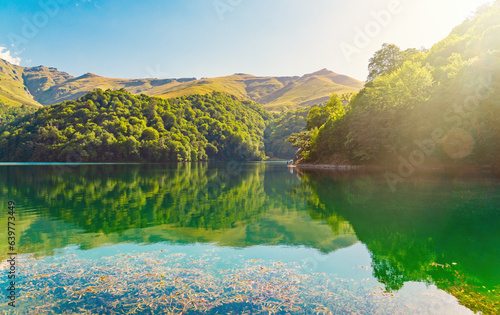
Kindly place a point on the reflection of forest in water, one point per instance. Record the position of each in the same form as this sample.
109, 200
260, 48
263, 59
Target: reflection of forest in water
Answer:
438, 230
230, 204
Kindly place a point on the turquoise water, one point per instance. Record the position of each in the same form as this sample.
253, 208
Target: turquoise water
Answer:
249, 238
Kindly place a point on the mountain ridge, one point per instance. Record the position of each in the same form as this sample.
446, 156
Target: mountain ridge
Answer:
37, 86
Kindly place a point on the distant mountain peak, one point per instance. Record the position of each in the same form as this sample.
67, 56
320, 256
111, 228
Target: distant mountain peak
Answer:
89, 75
323, 71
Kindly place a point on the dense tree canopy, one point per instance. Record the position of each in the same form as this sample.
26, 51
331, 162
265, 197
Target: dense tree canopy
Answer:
420, 107
118, 126
387, 59
320, 121
10, 113
280, 129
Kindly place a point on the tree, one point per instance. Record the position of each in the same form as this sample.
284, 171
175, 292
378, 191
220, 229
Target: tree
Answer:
385, 60
318, 116
150, 134
150, 109
388, 59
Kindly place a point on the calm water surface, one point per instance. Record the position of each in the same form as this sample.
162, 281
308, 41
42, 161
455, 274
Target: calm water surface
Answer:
249, 238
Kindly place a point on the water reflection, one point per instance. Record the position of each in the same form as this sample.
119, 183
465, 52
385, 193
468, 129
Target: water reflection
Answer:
439, 230
184, 203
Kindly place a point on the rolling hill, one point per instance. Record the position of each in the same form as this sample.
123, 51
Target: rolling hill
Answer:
35, 86
274, 93
13, 91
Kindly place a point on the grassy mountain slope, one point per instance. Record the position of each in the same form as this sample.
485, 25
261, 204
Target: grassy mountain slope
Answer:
75, 88
47, 86
310, 89
13, 91
274, 93
230, 84
40, 79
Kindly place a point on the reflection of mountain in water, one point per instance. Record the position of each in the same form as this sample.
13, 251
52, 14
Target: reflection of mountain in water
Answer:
440, 229
232, 205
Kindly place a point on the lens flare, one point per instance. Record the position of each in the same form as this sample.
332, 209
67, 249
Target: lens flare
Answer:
458, 143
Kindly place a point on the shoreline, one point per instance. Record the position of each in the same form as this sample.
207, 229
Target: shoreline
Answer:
442, 168
329, 166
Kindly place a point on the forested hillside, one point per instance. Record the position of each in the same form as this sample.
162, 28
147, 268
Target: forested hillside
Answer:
117, 126
10, 113
437, 107
280, 128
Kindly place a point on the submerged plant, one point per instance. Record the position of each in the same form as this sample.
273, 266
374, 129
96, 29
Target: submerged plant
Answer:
176, 283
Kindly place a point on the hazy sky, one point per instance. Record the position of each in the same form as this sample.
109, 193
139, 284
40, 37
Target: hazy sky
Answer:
207, 38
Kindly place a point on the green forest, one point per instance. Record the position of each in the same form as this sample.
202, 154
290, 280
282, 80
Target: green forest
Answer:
116, 126
10, 113
419, 107
279, 129
111, 126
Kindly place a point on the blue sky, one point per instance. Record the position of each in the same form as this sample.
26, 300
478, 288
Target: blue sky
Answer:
208, 38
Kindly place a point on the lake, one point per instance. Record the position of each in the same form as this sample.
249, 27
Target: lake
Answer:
248, 238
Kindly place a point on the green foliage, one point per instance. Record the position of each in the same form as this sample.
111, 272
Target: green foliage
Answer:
118, 126
10, 113
150, 134
319, 115
388, 59
303, 141
317, 119
280, 129
446, 97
